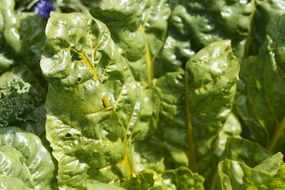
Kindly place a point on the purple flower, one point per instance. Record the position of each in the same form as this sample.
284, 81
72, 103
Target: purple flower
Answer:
43, 8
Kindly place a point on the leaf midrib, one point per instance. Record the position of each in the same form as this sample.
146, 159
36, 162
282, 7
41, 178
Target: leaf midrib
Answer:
192, 153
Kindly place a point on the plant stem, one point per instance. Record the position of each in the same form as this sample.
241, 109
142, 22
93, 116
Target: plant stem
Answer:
278, 134
192, 153
87, 63
148, 58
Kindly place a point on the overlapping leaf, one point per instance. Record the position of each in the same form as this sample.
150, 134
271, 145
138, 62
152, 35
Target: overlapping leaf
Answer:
21, 36
260, 101
108, 82
195, 24
267, 175
180, 178
139, 28
263, 12
199, 107
95, 108
25, 163
22, 86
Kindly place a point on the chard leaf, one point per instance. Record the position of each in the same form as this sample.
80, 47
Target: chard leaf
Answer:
21, 38
263, 12
267, 175
9, 25
238, 149
180, 178
145, 180
21, 30
8, 34
260, 101
95, 108
139, 28
24, 161
212, 72
197, 23
32, 36
12, 183
246, 151
187, 103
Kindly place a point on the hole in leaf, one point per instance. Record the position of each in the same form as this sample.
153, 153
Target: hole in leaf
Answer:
68, 135
104, 104
75, 56
78, 79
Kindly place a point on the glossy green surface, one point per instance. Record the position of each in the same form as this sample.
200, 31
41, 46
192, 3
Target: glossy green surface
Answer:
25, 162
94, 105
142, 94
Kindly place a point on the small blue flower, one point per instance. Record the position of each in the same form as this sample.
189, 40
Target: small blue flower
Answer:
43, 8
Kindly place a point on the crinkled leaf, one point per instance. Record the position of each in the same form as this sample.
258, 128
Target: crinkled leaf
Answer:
181, 178
197, 23
5, 62
21, 30
9, 25
9, 36
200, 123
32, 36
95, 108
12, 183
146, 179
245, 151
139, 28
266, 175
24, 157
260, 101
231, 128
21, 38
211, 74
263, 12
20, 99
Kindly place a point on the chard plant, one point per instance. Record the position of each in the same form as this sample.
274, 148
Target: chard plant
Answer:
142, 94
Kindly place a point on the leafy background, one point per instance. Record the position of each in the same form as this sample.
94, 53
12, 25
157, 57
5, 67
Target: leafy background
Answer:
142, 94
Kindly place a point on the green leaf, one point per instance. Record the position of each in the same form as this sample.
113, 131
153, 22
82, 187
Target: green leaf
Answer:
21, 98
139, 28
263, 12
21, 42
231, 129
211, 73
197, 23
32, 36
24, 161
238, 149
12, 183
95, 108
260, 101
201, 124
245, 151
21, 38
266, 175
145, 180
181, 178
103, 186
9, 25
